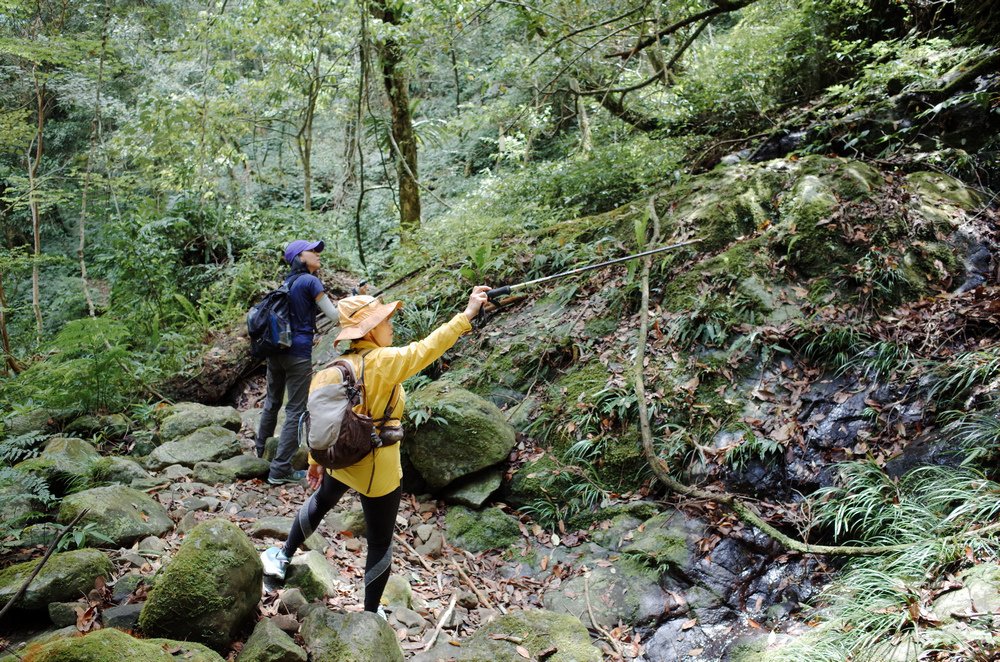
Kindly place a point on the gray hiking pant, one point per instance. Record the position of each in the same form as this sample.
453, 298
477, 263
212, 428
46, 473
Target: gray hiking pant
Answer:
291, 373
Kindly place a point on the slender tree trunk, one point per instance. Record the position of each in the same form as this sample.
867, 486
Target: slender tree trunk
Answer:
9, 360
397, 89
304, 139
95, 134
458, 84
36, 216
586, 142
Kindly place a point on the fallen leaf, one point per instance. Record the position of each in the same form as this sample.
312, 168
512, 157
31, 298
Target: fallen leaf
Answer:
687, 625
523, 652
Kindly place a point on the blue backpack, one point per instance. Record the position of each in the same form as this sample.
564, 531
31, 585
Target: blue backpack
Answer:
269, 323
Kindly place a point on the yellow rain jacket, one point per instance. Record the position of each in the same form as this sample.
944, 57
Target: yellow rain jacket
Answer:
385, 368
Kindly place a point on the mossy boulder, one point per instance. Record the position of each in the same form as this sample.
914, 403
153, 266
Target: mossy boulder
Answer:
186, 417
531, 481
209, 591
475, 435
120, 513
620, 593
210, 444
70, 456
355, 637
537, 630
112, 645
240, 467
115, 426
312, 574
21, 497
478, 531
28, 421
662, 542
65, 577
269, 643
941, 199
114, 469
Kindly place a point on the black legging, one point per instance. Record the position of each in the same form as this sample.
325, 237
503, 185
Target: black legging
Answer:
380, 521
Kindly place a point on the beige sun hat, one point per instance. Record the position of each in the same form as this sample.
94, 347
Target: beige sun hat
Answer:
361, 313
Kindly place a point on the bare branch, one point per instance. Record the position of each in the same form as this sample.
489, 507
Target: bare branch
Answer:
646, 42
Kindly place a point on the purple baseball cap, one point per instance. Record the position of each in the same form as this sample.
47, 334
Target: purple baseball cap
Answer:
299, 245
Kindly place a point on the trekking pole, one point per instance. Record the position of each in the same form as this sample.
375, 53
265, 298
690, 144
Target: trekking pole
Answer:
507, 289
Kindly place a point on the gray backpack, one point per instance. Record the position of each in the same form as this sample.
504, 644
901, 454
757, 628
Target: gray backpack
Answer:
338, 436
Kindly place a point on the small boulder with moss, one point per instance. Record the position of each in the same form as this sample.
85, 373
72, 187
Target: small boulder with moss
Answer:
490, 528
269, 643
211, 444
119, 513
209, 591
536, 630
472, 434
186, 417
354, 637
112, 645
65, 577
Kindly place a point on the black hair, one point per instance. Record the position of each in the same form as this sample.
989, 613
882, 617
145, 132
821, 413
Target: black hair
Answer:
298, 266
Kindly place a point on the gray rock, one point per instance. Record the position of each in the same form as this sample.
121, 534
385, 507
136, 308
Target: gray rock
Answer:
269, 643
70, 456
210, 589
187, 523
63, 614
271, 527
119, 470
398, 592
312, 574
120, 513
354, 637
613, 595
246, 467
65, 577
537, 631
175, 472
293, 602
475, 490
123, 617
980, 593
152, 544
347, 520
475, 436
186, 417
28, 421
210, 444
125, 586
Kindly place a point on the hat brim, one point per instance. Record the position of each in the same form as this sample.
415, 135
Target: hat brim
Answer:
374, 318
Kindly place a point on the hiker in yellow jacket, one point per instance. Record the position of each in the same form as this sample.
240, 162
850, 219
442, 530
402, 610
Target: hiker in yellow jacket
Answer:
367, 323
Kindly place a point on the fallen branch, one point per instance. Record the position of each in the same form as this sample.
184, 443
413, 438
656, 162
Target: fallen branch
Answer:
742, 509
38, 568
442, 621
593, 621
482, 598
409, 548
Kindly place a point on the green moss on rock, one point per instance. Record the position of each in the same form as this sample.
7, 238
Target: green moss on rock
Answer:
490, 528
65, 577
111, 645
210, 590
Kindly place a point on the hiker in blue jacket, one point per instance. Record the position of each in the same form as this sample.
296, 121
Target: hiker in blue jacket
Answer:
292, 370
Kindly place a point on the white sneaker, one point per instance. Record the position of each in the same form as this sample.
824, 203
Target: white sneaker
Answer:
381, 612
275, 562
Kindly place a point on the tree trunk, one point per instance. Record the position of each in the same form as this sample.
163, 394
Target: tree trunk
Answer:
586, 142
8, 355
36, 216
304, 139
95, 134
397, 89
